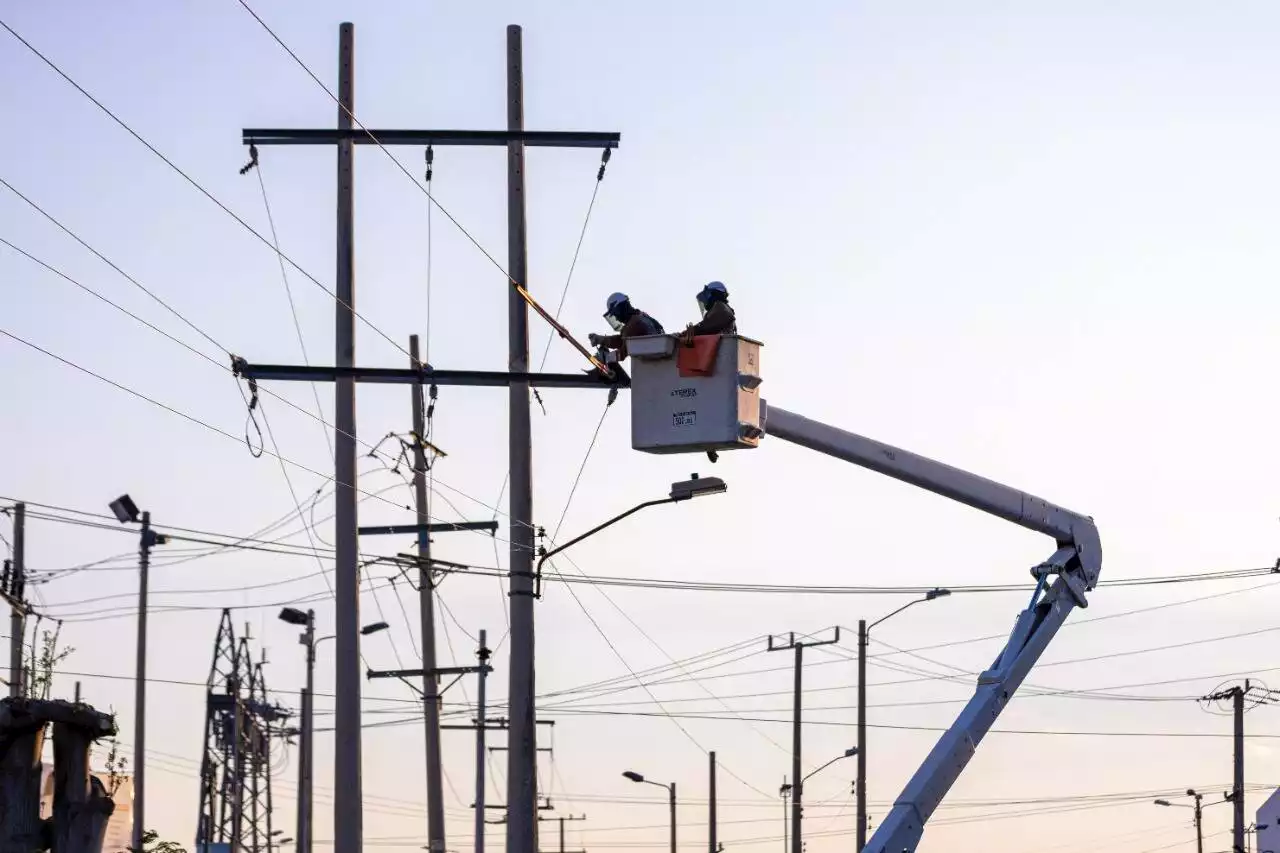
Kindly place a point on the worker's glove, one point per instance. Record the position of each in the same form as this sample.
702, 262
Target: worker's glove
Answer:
595, 339
686, 337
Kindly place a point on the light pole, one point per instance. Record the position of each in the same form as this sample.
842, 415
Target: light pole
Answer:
671, 791
864, 632
1197, 807
306, 733
126, 511
785, 793
694, 487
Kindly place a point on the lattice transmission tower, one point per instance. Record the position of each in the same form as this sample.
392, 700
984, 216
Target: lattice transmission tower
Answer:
235, 773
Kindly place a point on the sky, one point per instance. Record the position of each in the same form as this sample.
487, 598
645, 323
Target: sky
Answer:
1031, 240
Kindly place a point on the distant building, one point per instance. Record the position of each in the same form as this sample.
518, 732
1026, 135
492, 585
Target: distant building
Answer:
1269, 816
120, 828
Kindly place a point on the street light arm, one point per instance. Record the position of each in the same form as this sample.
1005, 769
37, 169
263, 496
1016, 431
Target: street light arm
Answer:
592, 532
894, 613
824, 767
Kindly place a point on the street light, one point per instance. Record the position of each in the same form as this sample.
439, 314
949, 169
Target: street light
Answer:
864, 631
671, 791
785, 792
848, 753
306, 735
685, 490
126, 512
1197, 807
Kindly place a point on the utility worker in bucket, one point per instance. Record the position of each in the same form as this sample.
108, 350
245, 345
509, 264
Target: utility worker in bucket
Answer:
717, 315
627, 321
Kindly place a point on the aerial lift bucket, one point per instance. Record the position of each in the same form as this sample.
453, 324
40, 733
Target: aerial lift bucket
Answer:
694, 398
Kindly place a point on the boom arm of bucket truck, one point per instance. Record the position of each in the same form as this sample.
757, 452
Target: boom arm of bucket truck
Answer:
1061, 584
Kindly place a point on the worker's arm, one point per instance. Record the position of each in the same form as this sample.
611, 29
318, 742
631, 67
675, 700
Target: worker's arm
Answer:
718, 320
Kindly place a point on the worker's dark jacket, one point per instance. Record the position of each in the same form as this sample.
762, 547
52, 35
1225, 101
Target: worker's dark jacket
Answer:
638, 326
719, 320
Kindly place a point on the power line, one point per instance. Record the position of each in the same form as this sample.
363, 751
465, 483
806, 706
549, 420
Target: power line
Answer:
293, 309
192, 181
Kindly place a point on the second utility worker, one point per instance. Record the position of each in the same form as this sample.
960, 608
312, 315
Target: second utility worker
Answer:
717, 315
627, 321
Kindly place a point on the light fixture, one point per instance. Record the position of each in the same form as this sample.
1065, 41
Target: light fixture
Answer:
293, 616
937, 592
633, 776
695, 486
125, 509
374, 627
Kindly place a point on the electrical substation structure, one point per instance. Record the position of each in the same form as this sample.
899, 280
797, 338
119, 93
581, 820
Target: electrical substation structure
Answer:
235, 772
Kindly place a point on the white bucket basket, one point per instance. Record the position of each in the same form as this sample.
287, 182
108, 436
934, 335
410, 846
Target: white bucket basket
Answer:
671, 413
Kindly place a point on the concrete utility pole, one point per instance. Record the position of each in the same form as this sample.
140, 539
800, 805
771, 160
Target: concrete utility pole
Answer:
482, 654
860, 783
348, 813
522, 737
711, 816
306, 738
1237, 792
797, 789
18, 612
427, 613
522, 827
147, 541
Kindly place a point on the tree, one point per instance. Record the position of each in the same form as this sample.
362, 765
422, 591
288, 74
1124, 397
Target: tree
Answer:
151, 843
116, 765
41, 667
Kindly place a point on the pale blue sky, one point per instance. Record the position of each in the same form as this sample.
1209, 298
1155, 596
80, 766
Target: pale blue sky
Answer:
1033, 240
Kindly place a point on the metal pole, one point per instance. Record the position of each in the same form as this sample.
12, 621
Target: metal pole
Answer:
522, 786
672, 788
1237, 788
140, 689
797, 787
860, 793
18, 616
786, 807
306, 763
483, 655
348, 815
426, 608
1199, 830
561, 835
711, 818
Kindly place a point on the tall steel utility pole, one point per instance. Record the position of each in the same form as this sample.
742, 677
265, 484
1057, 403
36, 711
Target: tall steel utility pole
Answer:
348, 813
522, 738
18, 612
427, 612
797, 789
